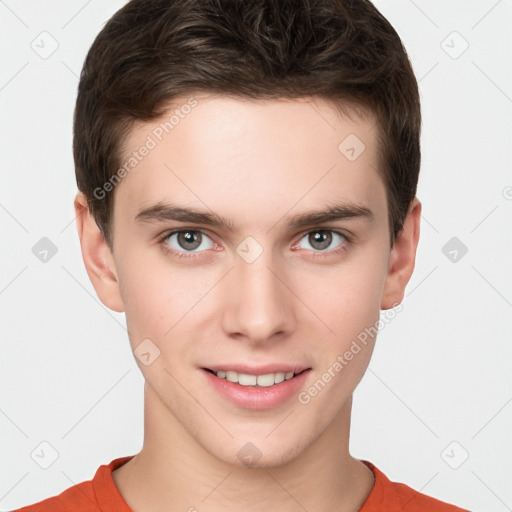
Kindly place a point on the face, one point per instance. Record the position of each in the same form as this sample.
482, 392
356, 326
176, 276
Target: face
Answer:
252, 241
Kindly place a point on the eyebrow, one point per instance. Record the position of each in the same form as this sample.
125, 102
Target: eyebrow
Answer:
162, 212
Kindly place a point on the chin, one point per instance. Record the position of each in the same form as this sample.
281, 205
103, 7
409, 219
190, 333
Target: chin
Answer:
258, 452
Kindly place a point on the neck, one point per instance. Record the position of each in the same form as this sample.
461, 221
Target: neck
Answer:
173, 471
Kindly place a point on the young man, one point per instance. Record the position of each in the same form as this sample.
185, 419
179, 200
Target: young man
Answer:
247, 176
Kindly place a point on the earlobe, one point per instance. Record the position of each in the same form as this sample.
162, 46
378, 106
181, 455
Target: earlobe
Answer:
98, 259
402, 257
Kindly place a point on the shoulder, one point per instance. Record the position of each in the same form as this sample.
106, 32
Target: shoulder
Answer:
388, 496
75, 498
94, 495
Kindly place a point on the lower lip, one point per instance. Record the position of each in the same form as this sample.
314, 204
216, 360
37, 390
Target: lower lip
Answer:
255, 397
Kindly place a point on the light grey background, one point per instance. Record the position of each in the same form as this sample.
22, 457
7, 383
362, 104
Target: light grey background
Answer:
439, 385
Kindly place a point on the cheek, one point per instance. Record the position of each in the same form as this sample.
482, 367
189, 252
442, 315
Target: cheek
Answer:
348, 298
350, 307
144, 293
157, 298
341, 302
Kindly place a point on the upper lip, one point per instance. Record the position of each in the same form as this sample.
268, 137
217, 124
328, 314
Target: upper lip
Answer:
258, 370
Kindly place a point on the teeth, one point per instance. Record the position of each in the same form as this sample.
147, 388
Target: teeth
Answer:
245, 379
265, 380
279, 377
231, 376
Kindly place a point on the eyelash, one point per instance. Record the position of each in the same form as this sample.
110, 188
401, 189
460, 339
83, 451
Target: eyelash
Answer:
162, 241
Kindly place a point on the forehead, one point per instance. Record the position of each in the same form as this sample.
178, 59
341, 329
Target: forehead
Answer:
222, 151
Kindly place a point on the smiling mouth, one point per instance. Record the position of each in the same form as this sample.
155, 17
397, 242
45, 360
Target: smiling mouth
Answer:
245, 379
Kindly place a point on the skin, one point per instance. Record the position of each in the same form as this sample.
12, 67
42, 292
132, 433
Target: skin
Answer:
256, 163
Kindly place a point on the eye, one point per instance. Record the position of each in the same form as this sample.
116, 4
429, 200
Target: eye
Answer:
186, 240
190, 242
321, 239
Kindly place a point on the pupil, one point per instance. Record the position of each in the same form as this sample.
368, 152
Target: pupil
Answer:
186, 238
322, 239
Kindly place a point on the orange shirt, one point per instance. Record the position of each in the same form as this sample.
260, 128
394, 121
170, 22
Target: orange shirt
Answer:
101, 495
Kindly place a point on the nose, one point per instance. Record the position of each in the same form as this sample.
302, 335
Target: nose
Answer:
260, 307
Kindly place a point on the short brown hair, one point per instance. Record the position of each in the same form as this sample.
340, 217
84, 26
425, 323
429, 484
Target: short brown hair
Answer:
152, 51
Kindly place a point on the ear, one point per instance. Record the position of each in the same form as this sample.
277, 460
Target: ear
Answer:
98, 259
402, 257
